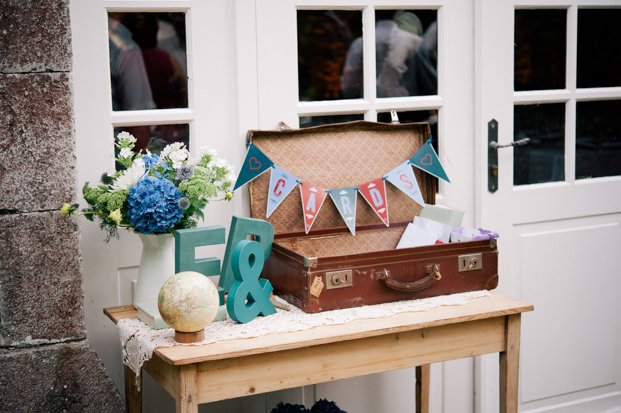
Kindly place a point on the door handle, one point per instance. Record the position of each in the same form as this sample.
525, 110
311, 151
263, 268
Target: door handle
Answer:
492, 154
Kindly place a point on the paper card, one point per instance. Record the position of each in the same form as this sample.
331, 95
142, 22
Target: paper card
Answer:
427, 159
281, 184
345, 201
414, 236
444, 214
443, 231
403, 178
254, 165
313, 197
374, 192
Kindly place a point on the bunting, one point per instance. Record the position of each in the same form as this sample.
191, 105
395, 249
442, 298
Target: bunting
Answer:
374, 192
345, 201
281, 184
427, 159
312, 201
254, 165
403, 178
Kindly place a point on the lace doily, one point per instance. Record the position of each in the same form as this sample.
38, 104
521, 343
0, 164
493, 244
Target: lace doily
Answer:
139, 340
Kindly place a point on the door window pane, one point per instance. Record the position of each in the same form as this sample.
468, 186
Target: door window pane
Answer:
543, 159
154, 138
406, 52
324, 38
147, 60
598, 139
540, 49
599, 48
309, 121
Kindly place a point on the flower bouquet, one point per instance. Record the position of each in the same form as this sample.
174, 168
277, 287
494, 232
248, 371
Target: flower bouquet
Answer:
155, 194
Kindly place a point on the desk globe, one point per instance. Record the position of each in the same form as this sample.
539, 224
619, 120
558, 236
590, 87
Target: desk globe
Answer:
188, 302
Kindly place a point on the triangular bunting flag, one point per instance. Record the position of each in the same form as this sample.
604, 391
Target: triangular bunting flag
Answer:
345, 201
427, 159
312, 201
281, 184
403, 178
375, 194
254, 165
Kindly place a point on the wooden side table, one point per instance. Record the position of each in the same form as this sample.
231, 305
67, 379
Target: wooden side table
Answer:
235, 368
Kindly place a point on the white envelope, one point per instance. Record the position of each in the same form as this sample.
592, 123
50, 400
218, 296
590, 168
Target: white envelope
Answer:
441, 230
414, 236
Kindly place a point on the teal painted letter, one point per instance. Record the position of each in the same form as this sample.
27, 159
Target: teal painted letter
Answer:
241, 227
186, 241
249, 296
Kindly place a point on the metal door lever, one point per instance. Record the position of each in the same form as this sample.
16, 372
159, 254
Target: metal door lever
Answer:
521, 142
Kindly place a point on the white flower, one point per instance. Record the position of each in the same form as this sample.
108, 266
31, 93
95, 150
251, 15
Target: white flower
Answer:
204, 150
230, 177
126, 136
221, 163
177, 157
139, 161
171, 148
125, 153
128, 177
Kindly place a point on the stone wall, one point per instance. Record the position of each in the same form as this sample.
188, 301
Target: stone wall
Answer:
46, 363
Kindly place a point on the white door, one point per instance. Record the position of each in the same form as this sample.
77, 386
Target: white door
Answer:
316, 63
548, 71
198, 107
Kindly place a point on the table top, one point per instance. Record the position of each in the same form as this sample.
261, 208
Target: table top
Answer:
495, 305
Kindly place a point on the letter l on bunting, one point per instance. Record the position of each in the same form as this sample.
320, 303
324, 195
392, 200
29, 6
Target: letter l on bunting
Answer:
312, 201
375, 194
281, 184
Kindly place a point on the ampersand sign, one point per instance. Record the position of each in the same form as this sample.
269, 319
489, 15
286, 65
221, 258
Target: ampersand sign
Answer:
249, 296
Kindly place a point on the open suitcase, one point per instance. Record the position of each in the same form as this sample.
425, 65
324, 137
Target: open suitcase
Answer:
329, 268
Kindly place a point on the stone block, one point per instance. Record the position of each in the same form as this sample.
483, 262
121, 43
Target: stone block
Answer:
66, 377
35, 36
37, 141
41, 296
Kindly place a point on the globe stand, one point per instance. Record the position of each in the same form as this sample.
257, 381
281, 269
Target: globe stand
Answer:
186, 338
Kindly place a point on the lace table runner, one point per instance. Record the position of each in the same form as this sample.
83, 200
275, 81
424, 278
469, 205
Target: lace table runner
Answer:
139, 340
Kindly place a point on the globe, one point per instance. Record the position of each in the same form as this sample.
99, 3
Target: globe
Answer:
188, 301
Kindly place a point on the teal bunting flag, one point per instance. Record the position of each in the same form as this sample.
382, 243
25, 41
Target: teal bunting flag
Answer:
345, 201
427, 159
254, 165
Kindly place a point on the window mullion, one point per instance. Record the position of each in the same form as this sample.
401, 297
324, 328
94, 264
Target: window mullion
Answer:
369, 75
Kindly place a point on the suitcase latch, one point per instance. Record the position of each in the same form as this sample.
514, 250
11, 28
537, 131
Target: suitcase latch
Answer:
339, 279
470, 262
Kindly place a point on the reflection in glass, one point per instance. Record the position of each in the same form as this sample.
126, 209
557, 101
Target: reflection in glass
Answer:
147, 60
309, 121
543, 159
540, 49
429, 116
154, 138
324, 36
599, 48
598, 139
406, 53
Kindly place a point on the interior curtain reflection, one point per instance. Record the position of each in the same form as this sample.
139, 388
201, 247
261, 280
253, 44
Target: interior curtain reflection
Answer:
406, 50
147, 60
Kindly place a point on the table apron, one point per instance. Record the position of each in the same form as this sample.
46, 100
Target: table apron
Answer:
243, 376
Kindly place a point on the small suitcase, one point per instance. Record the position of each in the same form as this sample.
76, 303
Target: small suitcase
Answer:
329, 268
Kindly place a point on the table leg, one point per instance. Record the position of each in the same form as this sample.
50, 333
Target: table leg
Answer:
423, 374
133, 397
185, 383
509, 366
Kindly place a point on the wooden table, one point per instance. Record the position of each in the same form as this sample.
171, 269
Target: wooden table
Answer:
235, 368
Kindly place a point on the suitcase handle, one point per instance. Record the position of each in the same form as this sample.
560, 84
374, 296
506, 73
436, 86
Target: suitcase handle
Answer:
428, 281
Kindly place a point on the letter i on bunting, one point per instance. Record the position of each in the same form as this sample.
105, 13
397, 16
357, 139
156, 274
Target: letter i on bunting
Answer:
375, 194
403, 178
254, 165
427, 159
312, 201
345, 201
281, 184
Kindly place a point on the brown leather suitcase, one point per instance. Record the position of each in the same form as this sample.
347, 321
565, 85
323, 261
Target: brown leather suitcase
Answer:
329, 268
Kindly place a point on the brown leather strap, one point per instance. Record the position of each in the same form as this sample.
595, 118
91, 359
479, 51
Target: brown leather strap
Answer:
428, 281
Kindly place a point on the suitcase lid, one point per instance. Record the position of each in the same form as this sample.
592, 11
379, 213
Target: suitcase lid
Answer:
336, 156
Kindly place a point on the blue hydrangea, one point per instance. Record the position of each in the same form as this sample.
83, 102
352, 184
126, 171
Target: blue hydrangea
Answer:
152, 160
153, 205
